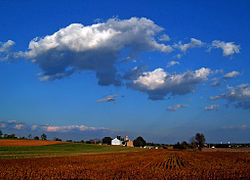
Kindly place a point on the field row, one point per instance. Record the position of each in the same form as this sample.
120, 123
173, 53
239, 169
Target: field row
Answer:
153, 164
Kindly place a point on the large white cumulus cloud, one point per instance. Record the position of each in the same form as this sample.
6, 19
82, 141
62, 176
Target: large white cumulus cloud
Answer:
158, 83
96, 47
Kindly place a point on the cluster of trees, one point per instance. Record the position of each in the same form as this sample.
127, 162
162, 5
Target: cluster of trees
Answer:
91, 141
43, 137
107, 140
13, 136
139, 142
197, 141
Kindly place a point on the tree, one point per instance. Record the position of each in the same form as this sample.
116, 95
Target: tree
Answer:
1, 133
36, 138
5, 135
29, 136
200, 140
44, 136
139, 142
57, 139
107, 140
193, 143
177, 146
12, 136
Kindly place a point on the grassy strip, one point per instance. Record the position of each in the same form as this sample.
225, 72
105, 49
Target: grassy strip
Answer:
56, 150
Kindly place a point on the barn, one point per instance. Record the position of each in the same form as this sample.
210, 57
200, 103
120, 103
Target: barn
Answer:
116, 142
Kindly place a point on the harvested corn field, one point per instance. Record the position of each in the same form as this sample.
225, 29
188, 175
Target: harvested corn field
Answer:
25, 142
153, 164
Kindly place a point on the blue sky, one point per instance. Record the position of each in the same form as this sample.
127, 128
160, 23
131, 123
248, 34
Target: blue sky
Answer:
165, 70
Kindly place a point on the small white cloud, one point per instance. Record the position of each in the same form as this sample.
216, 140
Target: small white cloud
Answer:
241, 127
158, 83
216, 82
212, 107
232, 74
228, 48
110, 98
34, 127
178, 56
164, 37
6, 51
49, 128
19, 126
152, 80
3, 125
6, 47
218, 71
128, 59
12, 121
193, 44
172, 63
176, 107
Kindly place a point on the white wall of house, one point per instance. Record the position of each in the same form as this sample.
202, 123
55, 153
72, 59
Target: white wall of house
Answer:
116, 142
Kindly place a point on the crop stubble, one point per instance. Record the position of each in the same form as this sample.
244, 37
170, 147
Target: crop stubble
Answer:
153, 164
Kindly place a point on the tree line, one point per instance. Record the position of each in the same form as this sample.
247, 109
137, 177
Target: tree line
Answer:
196, 142
13, 136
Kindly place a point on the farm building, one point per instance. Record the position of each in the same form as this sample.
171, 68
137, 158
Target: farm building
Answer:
119, 141
128, 142
116, 142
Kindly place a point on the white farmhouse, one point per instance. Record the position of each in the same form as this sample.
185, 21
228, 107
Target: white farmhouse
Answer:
116, 142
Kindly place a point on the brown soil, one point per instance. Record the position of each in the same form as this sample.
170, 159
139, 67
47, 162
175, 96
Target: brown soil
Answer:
25, 142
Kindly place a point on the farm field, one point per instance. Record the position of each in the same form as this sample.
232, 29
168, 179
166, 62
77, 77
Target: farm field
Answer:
55, 150
151, 164
26, 142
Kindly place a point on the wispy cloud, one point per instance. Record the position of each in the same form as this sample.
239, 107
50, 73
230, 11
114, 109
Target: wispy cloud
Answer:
194, 43
172, 63
218, 71
239, 95
176, 107
164, 37
178, 56
228, 48
212, 107
242, 127
230, 75
110, 98
19, 126
12, 121
6, 47
3, 125
216, 82
49, 128
13, 124
34, 127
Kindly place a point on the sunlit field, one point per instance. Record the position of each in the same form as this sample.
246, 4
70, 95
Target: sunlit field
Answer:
55, 150
151, 164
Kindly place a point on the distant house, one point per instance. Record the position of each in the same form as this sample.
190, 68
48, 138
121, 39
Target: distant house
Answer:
116, 142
